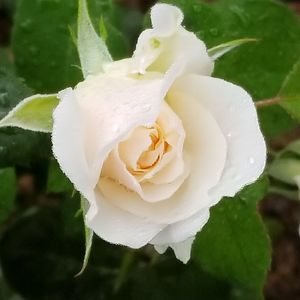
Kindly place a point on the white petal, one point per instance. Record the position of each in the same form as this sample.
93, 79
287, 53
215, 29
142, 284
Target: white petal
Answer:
161, 248
180, 231
68, 142
159, 48
206, 146
115, 170
92, 120
131, 149
112, 108
172, 165
120, 227
166, 19
236, 115
183, 250
184, 45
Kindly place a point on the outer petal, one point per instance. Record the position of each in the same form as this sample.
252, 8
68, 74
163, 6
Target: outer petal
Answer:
68, 142
158, 48
120, 227
166, 19
236, 115
182, 250
112, 107
92, 120
180, 231
206, 146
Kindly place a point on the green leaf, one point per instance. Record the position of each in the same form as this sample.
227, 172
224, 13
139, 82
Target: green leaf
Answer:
234, 244
260, 68
92, 50
88, 236
44, 51
7, 192
33, 113
218, 51
290, 92
57, 180
43, 48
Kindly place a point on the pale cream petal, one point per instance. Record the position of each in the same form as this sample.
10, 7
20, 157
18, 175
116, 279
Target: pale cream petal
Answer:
131, 148
186, 46
115, 171
68, 142
180, 231
166, 19
120, 227
161, 249
112, 107
159, 48
236, 115
183, 250
206, 146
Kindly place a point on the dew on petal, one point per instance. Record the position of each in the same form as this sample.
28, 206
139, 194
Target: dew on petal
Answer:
251, 160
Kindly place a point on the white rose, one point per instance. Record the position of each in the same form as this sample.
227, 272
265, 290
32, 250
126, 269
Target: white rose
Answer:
152, 152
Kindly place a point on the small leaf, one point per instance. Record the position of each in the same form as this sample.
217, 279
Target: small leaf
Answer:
92, 50
88, 237
33, 113
234, 244
290, 92
7, 192
218, 51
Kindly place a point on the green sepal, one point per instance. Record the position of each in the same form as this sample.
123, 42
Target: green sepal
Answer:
33, 113
88, 236
92, 50
218, 51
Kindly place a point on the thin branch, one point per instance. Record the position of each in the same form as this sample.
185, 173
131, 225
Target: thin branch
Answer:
267, 102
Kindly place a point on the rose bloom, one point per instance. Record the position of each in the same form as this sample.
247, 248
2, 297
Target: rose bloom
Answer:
154, 141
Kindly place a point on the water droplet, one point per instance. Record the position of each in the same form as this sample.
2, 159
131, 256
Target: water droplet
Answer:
53, 64
3, 99
251, 160
197, 8
147, 107
33, 50
229, 134
214, 31
116, 128
26, 25
240, 13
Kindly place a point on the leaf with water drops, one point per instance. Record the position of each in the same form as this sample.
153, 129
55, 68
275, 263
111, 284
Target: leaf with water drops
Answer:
290, 92
43, 47
234, 244
33, 113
